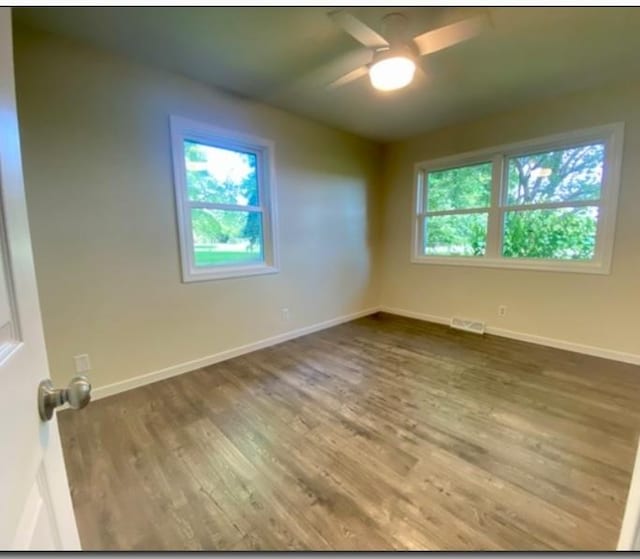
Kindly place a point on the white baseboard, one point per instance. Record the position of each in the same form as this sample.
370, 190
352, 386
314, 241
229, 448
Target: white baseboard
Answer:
632, 358
174, 370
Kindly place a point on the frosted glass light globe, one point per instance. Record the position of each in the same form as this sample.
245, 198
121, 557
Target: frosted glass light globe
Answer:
392, 73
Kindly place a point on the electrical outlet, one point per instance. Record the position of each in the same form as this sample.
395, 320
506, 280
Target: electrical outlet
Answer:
82, 363
502, 310
285, 314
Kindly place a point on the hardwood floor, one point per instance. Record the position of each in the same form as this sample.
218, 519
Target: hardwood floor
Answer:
383, 433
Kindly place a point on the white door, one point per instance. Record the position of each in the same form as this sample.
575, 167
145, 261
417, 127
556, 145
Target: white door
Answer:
35, 510
630, 533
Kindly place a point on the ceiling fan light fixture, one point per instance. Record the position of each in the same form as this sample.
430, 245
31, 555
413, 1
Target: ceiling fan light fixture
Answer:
393, 72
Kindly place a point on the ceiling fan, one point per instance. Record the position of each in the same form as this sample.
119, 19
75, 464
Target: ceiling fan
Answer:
393, 58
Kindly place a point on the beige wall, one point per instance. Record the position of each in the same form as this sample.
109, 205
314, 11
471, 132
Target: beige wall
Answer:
98, 173
100, 196
596, 310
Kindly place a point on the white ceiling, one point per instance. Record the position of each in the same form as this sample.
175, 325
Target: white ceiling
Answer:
284, 56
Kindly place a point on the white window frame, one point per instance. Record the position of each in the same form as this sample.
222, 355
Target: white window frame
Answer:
611, 135
185, 129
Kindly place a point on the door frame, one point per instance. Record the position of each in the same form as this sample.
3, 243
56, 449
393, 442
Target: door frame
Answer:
630, 532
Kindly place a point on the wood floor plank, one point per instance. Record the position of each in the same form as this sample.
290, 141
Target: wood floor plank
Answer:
382, 433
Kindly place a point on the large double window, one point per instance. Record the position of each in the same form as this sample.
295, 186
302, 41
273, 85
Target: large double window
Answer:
224, 196
543, 204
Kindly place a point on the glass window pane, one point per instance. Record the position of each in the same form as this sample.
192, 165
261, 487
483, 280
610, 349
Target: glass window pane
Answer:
226, 237
220, 176
461, 188
556, 176
455, 235
560, 233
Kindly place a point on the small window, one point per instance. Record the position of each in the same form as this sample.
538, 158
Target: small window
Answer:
224, 198
545, 204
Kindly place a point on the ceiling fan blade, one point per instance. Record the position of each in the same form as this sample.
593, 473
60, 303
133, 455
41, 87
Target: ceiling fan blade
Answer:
316, 79
358, 30
450, 35
349, 77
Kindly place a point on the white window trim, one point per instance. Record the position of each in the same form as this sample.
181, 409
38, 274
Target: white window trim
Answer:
186, 129
611, 135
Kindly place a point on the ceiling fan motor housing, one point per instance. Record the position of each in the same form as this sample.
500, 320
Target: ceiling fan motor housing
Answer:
399, 50
395, 28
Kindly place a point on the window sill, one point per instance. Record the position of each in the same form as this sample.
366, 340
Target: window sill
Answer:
515, 264
227, 272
